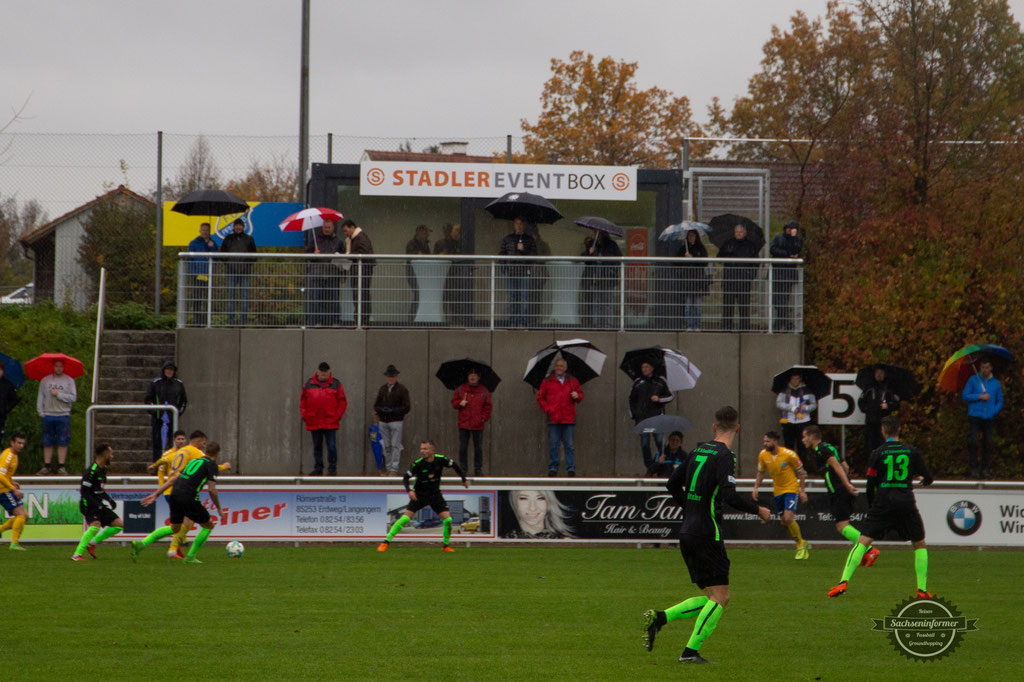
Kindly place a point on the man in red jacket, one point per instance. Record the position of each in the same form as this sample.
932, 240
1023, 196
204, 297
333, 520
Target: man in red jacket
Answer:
557, 396
473, 401
322, 405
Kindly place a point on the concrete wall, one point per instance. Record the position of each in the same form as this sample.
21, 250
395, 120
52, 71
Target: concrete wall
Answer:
245, 385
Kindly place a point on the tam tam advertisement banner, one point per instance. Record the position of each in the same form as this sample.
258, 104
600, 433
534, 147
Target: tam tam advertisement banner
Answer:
492, 180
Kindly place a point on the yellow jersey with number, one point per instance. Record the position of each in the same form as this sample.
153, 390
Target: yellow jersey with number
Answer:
782, 467
8, 467
174, 461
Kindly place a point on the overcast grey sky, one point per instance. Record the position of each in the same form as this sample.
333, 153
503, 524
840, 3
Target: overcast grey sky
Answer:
400, 68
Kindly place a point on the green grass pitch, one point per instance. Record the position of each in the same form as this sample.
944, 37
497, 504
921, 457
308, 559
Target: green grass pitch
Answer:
483, 613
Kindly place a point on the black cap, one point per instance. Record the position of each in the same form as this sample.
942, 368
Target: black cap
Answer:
324, 367
170, 365
391, 371
791, 223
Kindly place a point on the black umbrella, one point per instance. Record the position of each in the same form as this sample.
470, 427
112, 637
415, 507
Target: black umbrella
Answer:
454, 372
584, 359
899, 380
530, 207
722, 227
663, 423
210, 202
595, 223
815, 380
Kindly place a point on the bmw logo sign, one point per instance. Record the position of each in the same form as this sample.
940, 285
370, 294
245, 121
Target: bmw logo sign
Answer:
964, 518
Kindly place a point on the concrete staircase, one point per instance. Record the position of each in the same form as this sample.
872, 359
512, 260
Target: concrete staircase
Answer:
129, 361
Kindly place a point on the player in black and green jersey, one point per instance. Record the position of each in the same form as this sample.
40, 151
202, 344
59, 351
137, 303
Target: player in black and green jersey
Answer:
96, 505
892, 470
841, 491
425, 475
184, 502
700, 485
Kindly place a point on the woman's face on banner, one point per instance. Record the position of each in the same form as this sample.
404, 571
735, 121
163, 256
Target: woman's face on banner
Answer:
532, 508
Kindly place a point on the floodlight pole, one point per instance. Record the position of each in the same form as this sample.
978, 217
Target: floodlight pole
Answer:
304, 104
159, 218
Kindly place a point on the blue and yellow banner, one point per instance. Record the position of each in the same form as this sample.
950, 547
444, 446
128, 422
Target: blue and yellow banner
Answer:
261, 222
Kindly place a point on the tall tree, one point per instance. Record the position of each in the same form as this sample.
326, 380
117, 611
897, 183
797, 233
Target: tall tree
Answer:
119, 235
595, 113
16, 219
273, 182
199, 171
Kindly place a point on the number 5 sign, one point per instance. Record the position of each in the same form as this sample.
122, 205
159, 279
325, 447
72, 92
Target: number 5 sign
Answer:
841, 406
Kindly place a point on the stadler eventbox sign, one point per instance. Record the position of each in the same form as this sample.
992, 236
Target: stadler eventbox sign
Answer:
492, 180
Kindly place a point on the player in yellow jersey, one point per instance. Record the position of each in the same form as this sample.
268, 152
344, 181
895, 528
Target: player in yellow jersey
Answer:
10, 493
173, 462
789, 480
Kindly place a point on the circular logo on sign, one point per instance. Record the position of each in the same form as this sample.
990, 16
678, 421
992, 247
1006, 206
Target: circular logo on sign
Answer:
925, 629
620, 181
964, 518
375, 176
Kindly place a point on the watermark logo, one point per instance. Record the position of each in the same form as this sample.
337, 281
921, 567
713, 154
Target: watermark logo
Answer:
964, 518
925, 629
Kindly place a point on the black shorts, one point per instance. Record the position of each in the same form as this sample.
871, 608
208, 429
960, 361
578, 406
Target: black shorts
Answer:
105, 515
706, 559
905, 519
190, 507
435, 502
840, 504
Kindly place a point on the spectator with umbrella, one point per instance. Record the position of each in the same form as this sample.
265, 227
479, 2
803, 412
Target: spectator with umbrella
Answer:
323, 279
882, 388
473, 382
599, 282
56, 373
647, 398
737, 237
204, 202
517, 275
10, 373
670, 458
521, 208
785, 276
971, 372
695, 279
238, 271
797, 391
558, 396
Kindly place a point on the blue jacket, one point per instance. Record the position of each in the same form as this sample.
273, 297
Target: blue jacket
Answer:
199, 266
986, 409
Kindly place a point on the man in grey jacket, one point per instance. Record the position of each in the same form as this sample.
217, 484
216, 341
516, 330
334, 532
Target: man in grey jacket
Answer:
57, 393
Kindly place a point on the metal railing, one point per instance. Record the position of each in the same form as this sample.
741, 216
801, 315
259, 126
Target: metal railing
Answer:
490, 292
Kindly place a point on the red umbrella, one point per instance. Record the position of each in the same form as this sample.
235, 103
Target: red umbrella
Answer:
42, 366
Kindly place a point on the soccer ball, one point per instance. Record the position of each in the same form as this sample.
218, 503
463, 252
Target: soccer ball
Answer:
235, 549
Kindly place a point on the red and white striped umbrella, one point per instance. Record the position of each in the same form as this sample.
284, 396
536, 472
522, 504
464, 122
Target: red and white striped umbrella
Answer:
309, 219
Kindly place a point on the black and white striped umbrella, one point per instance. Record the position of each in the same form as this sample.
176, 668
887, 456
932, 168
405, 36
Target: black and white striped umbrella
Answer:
585, 361
679, 373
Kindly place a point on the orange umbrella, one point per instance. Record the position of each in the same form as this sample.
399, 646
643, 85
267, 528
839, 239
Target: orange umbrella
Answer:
42, 365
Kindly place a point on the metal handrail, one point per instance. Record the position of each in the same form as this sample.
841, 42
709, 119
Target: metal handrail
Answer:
101, 305
215, 255
92, 409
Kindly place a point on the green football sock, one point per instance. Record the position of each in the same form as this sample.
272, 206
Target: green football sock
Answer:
687, 609
161, 532
447, 529
397, 526
107, 533
853, 561
707, 620
200, 539
921, 568
850, 533
88, 535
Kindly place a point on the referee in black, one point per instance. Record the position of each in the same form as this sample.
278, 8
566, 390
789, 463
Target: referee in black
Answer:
892, 470
700, 485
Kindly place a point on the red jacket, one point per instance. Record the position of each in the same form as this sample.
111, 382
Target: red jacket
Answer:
478, 406
553, 397
323, 403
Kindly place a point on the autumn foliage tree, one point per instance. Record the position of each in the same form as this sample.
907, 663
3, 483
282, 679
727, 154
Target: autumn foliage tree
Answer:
266, 182
595, 113
913, 110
